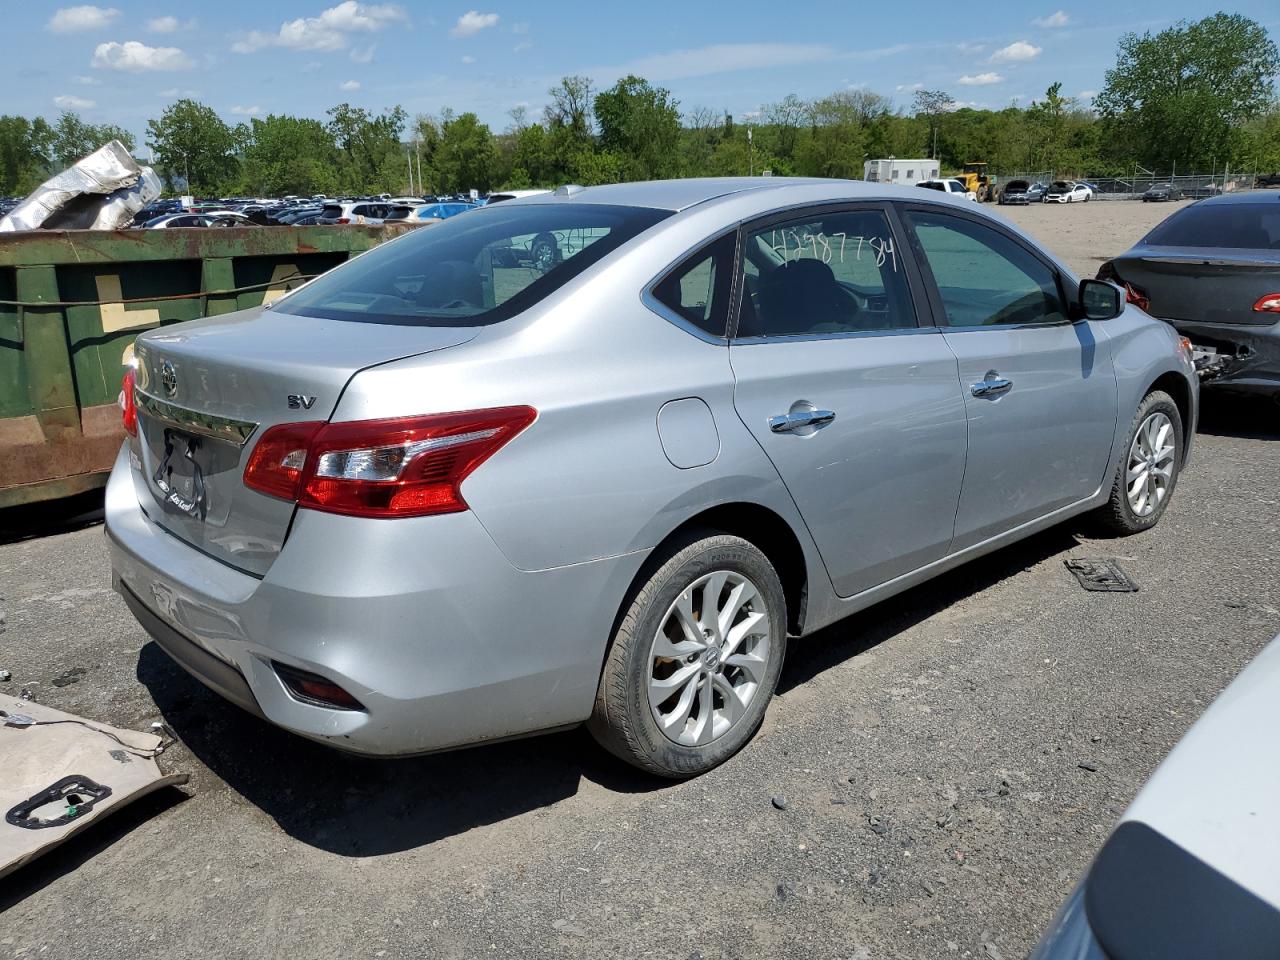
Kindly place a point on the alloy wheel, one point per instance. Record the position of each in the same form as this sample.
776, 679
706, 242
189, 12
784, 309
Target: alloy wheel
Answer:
709, 657
1150, 469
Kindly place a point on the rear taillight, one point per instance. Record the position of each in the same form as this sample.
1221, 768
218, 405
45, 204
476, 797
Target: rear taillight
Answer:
406, 467
343, 220
1137, 297
1268, 303
128, 407
279, 459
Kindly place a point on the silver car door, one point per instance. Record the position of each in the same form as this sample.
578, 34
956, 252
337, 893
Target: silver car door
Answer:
1040, 390
855, 402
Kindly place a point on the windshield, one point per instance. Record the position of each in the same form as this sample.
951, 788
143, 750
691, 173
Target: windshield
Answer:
1241, 226
467, 271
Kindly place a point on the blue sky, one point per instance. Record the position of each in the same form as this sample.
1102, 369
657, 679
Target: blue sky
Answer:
124, 60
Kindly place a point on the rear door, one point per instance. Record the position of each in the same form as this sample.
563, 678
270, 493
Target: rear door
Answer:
856, 402
1039, 390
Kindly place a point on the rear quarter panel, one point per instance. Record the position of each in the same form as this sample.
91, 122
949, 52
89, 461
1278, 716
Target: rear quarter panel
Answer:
1143, 350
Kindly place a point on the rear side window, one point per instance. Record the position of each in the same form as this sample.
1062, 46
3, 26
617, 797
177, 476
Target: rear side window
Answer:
983, 277
698, 289
1241, 226
828, 274
473, 270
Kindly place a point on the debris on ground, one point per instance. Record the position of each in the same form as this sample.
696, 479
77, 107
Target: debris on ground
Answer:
5, 676
68, 677
780, 802
1102, 575
101, 192
62, 772
1088, 765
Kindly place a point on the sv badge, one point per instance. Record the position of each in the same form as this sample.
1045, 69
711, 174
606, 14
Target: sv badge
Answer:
299, 402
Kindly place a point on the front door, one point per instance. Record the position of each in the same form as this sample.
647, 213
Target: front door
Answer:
856, 403
1039, 390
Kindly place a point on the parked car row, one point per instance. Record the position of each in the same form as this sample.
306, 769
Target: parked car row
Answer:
303, 211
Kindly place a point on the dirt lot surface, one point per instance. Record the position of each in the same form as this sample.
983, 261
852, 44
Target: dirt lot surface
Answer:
950, 761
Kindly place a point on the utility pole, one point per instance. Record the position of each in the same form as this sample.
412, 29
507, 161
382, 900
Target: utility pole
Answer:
408, 158
751, 155
417, 146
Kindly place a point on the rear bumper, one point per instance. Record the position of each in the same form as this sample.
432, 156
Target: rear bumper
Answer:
1252, 354
424, 621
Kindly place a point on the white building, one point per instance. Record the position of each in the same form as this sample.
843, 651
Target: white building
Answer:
906, 172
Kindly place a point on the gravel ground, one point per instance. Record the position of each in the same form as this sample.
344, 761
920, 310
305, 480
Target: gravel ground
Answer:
931, 753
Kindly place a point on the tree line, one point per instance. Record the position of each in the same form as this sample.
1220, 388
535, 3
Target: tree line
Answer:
1191, 97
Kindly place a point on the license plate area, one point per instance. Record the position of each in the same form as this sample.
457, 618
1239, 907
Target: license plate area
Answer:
180, 474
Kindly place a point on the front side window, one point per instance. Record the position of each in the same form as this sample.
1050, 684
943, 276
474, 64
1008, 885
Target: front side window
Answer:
983, 277
831, 273
698, 289
473, 270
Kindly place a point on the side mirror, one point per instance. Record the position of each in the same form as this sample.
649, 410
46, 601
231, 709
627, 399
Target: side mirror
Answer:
1100, 300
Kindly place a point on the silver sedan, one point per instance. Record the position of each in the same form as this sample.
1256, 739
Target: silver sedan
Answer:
594, 456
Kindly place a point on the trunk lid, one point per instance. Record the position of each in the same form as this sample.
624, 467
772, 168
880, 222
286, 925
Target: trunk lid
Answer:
1203, 285
208, 389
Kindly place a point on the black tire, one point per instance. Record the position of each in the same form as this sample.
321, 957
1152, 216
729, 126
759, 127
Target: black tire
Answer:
545, 252
1118, 515
623, 721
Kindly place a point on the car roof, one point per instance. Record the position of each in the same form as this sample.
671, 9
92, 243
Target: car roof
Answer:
1242, 196
677, 195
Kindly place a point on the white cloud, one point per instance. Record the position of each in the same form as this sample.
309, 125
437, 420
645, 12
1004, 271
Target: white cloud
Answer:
472, 22
1016, 52
329, 31
522, 45
520, 28
468, 59
1056, 19
169, 25
68, 102
87, 81
87, 17
1088, 94
908, 87
363, 54
174, 93
312, 66
970, 48
252, 111
134, 57
980, 79
349, 85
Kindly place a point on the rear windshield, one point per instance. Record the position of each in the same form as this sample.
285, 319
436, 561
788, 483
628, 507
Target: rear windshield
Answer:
1247, 226
467, 271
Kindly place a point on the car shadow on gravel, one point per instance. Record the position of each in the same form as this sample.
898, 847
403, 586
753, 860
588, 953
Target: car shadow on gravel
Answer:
1237, 415
358, 807
860, 632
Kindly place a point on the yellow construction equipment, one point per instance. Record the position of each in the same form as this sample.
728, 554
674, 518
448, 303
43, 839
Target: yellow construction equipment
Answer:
975, 178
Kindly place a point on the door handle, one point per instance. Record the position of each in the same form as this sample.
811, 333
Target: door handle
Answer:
788, 422
993, 385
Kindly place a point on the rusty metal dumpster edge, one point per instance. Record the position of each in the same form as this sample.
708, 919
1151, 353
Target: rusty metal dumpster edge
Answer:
72, 301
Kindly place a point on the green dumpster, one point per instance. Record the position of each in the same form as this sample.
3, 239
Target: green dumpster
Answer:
71, 303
